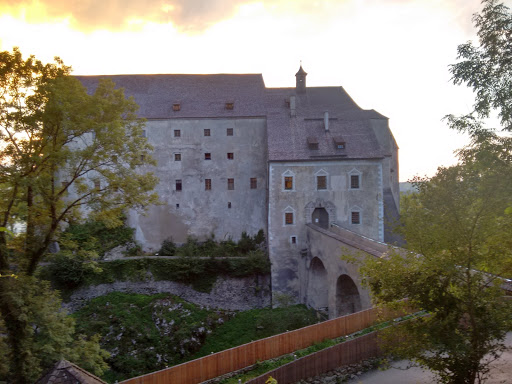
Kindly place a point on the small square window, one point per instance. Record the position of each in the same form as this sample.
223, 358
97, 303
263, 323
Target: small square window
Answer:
231, 156
340, 146
230, 105
177, 206
254, 183
207, 184
207, 132
293, 239
321, 182
177, 133
176, 107
288, 183
178, 185
231, 184
207, 156
229, 204
142, 157
288, 218
356, 217
229, 132
354, 181
177, 157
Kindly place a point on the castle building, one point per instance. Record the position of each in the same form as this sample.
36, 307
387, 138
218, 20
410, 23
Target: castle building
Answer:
234, 156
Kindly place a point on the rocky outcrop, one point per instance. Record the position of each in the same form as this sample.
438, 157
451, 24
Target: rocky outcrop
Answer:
227, 293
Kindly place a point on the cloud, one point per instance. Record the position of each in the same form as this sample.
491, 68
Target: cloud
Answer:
87, 15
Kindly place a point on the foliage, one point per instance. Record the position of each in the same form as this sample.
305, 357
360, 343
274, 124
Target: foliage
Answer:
210, 248
487, 69
64, 152
201, 274
95, 236
52, 332
458, 229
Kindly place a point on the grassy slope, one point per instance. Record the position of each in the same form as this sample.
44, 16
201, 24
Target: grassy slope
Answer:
147, 333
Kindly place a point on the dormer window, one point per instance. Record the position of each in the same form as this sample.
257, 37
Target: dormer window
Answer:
176, 107
339, 142
312, 142
230, 105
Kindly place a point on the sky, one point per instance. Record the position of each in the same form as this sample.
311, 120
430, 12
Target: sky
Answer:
389, 55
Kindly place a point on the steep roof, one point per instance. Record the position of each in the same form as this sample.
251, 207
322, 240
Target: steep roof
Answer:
65, 372
289, 132
205, 96
198, 95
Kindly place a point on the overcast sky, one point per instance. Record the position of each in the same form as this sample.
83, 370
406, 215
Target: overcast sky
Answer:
390, 55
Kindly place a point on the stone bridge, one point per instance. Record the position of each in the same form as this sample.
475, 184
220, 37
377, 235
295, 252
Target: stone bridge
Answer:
330, 283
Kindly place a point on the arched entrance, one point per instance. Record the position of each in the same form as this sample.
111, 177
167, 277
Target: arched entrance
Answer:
317, 287
347, 296
320, 217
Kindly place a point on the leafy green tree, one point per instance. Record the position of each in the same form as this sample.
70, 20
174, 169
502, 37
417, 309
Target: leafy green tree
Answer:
487, 69
458, 228
459, 236
63, 153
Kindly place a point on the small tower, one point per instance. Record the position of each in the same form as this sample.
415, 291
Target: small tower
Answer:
300, 80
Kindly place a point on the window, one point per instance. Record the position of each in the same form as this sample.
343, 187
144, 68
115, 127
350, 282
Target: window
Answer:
177, 157
254, 183
339, 142
293, 239
340, 146
312, 142
207, 156
229, 204
64, 184
321, 182
231, 156
207, 132
229, 132
178, 185
288, 183
142, 157
177, 133
231, 184
207, 184
177, 206
288, 218
97, 185
354, 182
144, 133
176, 107
230, 105
355, 217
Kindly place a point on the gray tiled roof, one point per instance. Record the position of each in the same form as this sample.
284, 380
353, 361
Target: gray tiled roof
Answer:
198, 95
64, 372
206, 96
288, 136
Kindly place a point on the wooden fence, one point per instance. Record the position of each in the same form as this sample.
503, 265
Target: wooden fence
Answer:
217, 364
350, 352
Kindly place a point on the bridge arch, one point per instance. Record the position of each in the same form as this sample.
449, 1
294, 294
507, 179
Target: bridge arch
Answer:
348, 299
318, 291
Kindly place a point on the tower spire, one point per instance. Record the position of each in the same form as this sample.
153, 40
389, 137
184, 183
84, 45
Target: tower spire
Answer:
300, 80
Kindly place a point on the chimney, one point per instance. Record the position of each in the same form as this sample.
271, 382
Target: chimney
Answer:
326, 121
293, 112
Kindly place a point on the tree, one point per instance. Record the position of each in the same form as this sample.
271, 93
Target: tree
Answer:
459, 236
458, 228
487, 69
64, 153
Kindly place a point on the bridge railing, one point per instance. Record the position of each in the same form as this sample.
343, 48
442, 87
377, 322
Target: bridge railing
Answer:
234, 359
